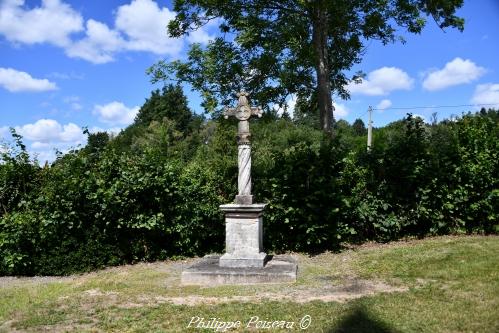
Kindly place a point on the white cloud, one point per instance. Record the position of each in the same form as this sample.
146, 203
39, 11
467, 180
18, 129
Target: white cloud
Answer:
423, 118
45, 131
99, 45
40, 145
455, 72
384, 104
72, 133
144, 23
382, 81
140, 25
340, 110
16, 81
53, 22
116, 113
201, 35
69, 136
43, 156
3, 148
113, 131
73, 102
289, 106
46, 135
487, 93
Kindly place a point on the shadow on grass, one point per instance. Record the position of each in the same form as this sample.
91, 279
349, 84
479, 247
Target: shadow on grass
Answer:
359, 319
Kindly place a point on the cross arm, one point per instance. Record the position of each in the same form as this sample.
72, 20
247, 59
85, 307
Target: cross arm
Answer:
229, 112
256, 111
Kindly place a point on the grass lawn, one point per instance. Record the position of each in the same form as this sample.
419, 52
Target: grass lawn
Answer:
444, 284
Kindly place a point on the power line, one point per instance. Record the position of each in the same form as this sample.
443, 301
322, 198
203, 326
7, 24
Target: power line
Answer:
362, 115
436, 107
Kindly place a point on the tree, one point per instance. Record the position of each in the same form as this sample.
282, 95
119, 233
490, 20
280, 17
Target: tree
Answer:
306, 111
163, 119
96, 141
276, 48
359, 127
169, 103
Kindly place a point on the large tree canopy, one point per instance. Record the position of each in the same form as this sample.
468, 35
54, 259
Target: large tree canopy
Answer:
169, 103
276, 48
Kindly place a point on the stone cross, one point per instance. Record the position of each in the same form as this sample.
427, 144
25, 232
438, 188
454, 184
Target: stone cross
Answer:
243, 112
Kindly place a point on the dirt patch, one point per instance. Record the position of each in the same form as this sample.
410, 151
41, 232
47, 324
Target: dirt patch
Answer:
64, 328
8, 326
7, 281
345, 291
98, 292
352, 289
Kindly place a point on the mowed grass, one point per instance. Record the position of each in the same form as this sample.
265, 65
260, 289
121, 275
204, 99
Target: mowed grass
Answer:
444, 284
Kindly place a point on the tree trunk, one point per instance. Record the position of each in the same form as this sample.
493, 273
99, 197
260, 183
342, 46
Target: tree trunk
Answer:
319, 38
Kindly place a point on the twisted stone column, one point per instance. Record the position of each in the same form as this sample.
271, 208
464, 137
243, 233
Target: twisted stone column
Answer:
244, 196
244, 162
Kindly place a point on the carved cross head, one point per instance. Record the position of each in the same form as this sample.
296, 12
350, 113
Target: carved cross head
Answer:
243, 111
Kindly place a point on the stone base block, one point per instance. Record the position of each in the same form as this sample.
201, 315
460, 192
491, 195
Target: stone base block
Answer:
244, 199
238, 260
208, 272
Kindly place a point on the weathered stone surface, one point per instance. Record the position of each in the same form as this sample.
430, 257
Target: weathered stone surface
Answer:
244, 199
243, 260
237, 209
243, 111
207, 272
243, 236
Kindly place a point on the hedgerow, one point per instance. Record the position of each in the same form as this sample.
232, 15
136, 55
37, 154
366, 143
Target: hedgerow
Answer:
110, 205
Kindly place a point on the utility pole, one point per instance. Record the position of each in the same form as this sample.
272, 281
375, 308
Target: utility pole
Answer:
370, 129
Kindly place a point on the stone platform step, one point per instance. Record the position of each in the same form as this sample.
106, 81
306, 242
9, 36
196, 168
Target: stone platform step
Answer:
207, 272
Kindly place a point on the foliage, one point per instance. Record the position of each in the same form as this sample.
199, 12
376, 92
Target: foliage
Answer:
96, 141
359, 127
18, 175
276, 48
426, 179
108, 204
170, 103
165, 119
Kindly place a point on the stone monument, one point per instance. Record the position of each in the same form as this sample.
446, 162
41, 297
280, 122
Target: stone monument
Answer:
244, 260
243, 219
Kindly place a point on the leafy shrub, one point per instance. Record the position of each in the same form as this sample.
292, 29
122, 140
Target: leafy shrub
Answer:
18, 175
105, 205
19, 237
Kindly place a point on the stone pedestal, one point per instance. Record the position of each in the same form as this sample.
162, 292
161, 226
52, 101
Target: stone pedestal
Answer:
243, 236
244, 261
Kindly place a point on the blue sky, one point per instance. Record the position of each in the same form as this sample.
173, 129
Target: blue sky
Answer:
68, 64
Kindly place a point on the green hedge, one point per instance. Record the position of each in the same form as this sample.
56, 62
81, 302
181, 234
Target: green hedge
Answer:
97, 207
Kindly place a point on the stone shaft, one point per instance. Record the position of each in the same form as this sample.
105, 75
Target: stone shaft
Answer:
243, 112
244, 163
